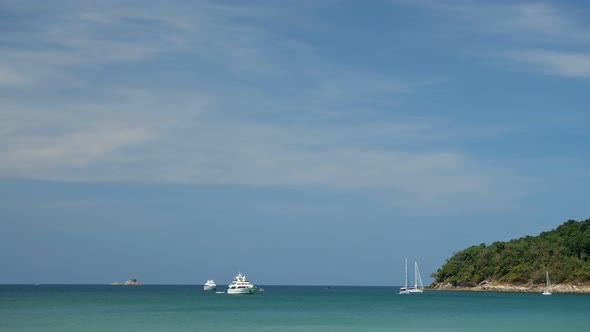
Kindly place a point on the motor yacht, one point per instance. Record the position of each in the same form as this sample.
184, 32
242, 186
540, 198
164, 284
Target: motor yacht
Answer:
240, 285
210, 285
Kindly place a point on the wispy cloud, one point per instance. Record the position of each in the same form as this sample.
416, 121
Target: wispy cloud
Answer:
544, 35
11, 77
531, 22
71, 150
406, 158
520, 21
557, 63
208, 93
543, 20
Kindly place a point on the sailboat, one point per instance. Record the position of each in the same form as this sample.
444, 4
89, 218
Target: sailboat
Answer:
418, 286
547, 290
405, 289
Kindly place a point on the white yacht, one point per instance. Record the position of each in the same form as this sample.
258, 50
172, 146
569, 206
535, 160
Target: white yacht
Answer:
240, 285
210, 285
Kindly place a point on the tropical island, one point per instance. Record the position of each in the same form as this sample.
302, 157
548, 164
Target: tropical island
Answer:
520, 265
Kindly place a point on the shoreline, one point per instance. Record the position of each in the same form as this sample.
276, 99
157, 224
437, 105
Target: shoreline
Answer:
491, 286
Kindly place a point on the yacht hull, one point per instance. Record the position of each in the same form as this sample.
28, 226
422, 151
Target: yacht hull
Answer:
209, 288
244, 291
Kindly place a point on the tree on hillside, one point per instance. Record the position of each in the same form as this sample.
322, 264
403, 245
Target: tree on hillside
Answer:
564, 251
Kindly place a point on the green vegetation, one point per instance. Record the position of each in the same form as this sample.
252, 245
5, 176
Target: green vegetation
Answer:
564, 252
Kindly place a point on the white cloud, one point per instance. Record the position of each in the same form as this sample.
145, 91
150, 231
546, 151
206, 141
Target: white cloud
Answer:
524, 21
542, 19
255, 154
533, 22
202, 147
226, 127
32, 154
11, 77
547, 35
557, 63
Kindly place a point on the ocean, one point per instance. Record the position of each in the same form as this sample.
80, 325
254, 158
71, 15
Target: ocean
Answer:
283, 308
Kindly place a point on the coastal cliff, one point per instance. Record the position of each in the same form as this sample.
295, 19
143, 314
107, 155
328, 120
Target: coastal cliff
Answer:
519, 265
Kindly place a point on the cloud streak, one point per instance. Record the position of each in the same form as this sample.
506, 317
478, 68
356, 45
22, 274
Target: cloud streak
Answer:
543, 35
557, 63
34, 155
521, 21
211, 95
11, 77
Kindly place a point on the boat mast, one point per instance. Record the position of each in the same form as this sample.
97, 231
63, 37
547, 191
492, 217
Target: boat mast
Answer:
419, 283
415, 275
406, 272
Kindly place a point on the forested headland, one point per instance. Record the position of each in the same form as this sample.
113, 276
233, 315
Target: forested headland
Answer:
564, 252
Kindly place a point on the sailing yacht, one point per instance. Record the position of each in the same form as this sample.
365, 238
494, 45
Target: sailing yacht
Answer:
418, 286
547, 290
405, 290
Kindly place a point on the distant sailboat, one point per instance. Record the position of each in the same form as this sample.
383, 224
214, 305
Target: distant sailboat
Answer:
405, 290
418, 286
547, 290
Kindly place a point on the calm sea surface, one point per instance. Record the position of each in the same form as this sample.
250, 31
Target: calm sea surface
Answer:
283, 308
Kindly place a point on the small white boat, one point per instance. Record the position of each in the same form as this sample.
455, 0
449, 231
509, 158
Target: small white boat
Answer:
210, 285
240, 285
547, 290
220, 292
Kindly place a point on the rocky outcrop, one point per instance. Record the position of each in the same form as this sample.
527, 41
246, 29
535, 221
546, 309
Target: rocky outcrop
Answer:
491, 286
130, 282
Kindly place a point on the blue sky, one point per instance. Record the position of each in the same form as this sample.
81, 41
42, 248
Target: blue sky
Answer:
301, 142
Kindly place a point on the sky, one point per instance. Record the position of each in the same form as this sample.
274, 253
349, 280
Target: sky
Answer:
299, 142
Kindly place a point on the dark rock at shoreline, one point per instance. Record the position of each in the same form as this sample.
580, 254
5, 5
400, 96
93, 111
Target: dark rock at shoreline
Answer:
491, 286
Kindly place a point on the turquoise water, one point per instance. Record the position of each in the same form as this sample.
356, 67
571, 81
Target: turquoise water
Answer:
283, 308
